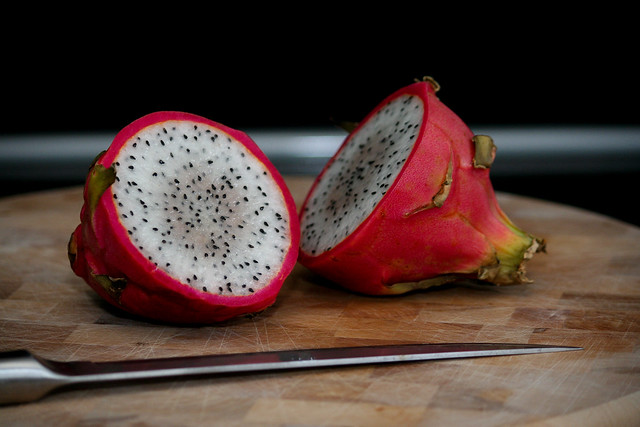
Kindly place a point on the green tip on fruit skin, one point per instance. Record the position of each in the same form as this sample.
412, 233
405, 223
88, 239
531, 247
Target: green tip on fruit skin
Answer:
431, 81
114, 286
485, 151
72, 249
100, 178
439, 198
510, 266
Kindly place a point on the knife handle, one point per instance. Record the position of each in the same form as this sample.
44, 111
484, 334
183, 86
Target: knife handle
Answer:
24, 378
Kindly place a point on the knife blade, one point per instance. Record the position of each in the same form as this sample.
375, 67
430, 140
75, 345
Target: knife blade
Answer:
25, 377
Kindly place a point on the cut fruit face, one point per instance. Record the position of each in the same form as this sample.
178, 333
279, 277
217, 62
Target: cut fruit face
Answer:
200, 206
357, 179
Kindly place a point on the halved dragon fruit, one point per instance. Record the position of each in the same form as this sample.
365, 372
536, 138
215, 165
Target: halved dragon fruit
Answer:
185, 221
406, 203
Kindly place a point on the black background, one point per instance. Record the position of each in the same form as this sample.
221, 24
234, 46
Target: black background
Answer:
78, 89
251, 66
291, 68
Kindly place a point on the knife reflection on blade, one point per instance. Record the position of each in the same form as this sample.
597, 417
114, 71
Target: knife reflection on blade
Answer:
25, 377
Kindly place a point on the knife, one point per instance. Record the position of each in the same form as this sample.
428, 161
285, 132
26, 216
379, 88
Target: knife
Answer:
25, 377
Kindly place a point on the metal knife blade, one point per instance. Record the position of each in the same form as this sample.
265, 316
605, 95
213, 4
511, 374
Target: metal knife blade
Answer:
25, 377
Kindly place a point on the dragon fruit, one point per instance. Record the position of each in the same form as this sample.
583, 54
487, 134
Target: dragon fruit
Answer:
185, 221
406, 203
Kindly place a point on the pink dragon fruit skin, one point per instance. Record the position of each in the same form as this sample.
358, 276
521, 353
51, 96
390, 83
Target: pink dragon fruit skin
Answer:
102, 250
438, 220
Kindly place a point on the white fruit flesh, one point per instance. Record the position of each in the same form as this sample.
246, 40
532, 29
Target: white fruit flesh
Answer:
200, 206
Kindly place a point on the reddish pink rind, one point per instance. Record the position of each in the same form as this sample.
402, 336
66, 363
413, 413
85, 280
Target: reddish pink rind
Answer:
402, 241
150, 292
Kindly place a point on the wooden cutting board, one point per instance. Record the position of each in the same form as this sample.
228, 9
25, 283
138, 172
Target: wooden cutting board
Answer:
586, 293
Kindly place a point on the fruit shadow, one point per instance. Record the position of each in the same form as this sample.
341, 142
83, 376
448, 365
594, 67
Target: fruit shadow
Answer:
112, 315
488, 289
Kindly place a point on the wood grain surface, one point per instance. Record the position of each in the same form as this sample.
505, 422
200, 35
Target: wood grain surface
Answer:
586, 293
